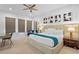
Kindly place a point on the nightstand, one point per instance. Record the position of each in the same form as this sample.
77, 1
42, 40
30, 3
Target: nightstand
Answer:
77, 45
71, 43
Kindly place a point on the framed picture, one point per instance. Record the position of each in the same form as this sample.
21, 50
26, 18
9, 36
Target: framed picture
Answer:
51, 17
69, 14
51, 21
56, 20
70, 18
56, 17
64, 15
67, 17
44, 19
59, 16
44, 22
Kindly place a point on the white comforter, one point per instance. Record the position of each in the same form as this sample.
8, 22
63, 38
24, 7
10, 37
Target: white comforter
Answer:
44, 40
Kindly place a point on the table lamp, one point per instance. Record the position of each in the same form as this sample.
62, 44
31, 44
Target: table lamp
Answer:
71, 30
41, 28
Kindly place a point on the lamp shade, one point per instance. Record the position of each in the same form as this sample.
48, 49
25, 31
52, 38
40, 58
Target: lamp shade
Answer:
71, 29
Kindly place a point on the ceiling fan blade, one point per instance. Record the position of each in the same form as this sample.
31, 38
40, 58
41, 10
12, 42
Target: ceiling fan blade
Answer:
25, 5
33, 6
30, 7
34, 9
26, 9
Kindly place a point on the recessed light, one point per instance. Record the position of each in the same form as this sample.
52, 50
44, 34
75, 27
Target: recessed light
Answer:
10, 9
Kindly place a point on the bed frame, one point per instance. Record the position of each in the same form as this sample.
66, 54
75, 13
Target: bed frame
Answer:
46, 49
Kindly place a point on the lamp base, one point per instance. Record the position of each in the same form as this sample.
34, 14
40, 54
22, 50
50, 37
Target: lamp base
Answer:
71, 36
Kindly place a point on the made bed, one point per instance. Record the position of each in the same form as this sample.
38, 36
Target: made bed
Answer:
49, 42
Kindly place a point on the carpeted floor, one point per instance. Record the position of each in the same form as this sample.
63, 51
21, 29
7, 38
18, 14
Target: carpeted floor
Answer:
21, 46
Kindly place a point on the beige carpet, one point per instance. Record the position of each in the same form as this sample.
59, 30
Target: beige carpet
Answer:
21, 46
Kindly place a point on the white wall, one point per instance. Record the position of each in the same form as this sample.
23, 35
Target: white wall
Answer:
2, 21
2, 25
69, 8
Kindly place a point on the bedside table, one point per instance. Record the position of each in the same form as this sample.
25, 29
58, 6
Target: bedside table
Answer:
77, 45
71, 43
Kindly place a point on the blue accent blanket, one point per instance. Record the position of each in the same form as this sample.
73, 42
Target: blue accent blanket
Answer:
50, 37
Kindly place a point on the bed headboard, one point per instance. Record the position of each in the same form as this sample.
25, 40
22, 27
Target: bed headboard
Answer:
54, 31
58, 27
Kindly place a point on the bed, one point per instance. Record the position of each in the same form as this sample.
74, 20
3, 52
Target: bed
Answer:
48, 42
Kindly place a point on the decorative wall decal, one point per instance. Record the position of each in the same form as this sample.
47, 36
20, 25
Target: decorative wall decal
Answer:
65, 17
59, 21
66, 20
51, 16
69, 14
44, 22
51, 21
70, 18
55, 20
64, 14
59, 16
44, 19
56, 17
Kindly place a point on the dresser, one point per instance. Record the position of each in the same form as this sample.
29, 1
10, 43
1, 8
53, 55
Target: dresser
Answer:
71, 43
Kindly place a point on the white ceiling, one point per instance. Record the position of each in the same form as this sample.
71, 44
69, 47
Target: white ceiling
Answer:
18, 8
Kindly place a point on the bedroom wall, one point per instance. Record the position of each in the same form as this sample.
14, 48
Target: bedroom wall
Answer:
74, 8
65, 29
2, 21
75, 18
75, 33
4, 14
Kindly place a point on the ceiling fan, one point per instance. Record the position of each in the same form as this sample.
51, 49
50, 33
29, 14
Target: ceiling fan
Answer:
30, 7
